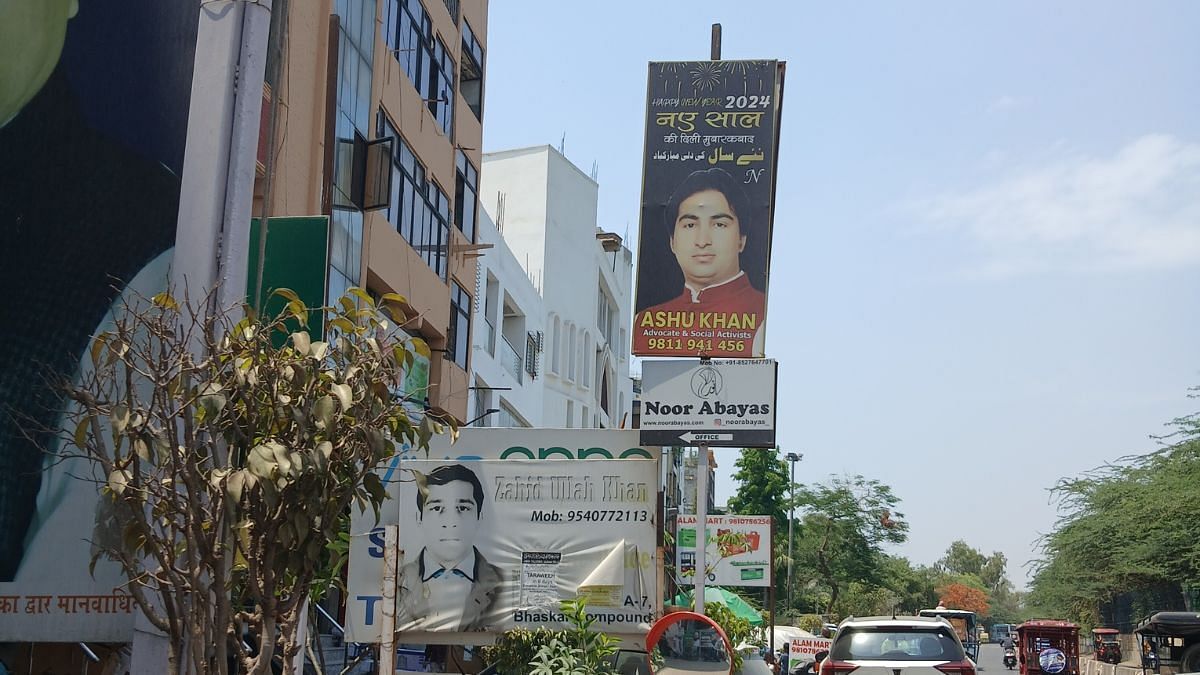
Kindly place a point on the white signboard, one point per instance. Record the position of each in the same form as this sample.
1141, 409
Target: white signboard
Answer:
727, 403
804, 650
520, 443
738, 551
489, 545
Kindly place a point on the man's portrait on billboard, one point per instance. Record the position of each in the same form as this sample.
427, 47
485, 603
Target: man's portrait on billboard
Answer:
708, 221
449, 585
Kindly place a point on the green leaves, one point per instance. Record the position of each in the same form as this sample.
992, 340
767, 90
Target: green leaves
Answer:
231, 445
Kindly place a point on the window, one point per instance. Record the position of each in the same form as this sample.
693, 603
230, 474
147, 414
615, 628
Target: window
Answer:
584, 418
531, 354
570, 414
439, 96
587, 355
418, 208
571, 358
466, 191
470, 74
556, 347
458, 334
605, 314
897, 644
423, 56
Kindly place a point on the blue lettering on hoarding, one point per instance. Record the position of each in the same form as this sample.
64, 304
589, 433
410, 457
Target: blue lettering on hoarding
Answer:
376, 537
369, 610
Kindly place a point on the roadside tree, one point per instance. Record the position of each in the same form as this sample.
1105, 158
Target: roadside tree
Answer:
228, 452
845, 525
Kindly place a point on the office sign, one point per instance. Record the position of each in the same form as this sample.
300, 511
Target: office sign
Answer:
491, 545
728, 403
737, 550
708, 187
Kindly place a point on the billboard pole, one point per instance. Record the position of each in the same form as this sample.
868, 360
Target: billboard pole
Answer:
701, 574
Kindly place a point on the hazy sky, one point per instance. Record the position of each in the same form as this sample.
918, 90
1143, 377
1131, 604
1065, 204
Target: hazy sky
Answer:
986, 268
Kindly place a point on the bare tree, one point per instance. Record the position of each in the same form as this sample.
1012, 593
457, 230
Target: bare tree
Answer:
229, 451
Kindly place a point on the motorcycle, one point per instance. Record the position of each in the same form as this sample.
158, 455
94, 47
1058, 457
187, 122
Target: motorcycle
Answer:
1010, 658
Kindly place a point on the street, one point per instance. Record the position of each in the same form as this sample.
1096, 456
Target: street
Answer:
991, 658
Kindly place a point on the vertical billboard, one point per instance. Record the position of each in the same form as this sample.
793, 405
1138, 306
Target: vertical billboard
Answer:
737, 550
490, 545
93, 117
707, 202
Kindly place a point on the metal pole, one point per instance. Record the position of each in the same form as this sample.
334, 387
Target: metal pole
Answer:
701, 575
701, 527
792, 458
387, 628
791, 538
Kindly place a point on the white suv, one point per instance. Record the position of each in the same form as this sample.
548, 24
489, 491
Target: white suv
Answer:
906, 645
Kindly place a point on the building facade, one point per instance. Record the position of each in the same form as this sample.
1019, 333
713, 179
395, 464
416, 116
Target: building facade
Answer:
546, 209
508, 336
373, 116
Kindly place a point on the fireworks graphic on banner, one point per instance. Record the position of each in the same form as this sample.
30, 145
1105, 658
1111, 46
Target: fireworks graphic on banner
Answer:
707, 75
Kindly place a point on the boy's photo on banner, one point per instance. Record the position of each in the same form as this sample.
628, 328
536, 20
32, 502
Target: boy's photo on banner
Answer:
707, 193
489, 545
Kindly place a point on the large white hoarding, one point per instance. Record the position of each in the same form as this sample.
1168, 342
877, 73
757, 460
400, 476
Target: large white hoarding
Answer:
489, 545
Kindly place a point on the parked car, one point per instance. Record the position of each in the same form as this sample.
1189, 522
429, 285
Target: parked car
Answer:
906, 645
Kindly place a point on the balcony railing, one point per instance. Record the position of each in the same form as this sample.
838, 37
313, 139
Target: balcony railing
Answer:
490, 336
511, 359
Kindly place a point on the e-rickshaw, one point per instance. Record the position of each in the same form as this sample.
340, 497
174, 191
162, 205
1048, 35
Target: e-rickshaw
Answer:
1170, 638
1105, 645
1048, 647
963, 622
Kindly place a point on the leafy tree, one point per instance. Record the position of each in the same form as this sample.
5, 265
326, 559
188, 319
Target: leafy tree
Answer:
1129, 526
763, 487
962, 596
228, 452
993, 572
961, 558
914, 587
845, 525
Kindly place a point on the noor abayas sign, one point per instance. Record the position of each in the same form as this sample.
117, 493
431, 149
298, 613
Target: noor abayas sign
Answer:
708, 186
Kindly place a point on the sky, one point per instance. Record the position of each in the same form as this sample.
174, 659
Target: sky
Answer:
986, 254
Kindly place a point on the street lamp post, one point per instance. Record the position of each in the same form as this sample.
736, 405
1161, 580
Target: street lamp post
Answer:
792, 458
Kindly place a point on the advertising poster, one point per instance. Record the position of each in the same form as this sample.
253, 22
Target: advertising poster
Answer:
720, 403
708, 186
490, 545
737, 551
93, 117
804, 650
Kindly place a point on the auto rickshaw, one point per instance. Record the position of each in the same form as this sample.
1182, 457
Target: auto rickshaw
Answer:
1048, 647
1106, 645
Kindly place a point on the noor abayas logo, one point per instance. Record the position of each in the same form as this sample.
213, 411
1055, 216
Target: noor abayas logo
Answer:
707, 382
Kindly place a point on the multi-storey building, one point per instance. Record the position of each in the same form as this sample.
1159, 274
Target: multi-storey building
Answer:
373, 116
508, 334
546, 209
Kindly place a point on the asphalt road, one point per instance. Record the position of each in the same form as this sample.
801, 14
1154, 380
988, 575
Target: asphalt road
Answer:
991, 659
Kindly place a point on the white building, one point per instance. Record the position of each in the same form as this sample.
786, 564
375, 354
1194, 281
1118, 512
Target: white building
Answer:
507, 334
545, 207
